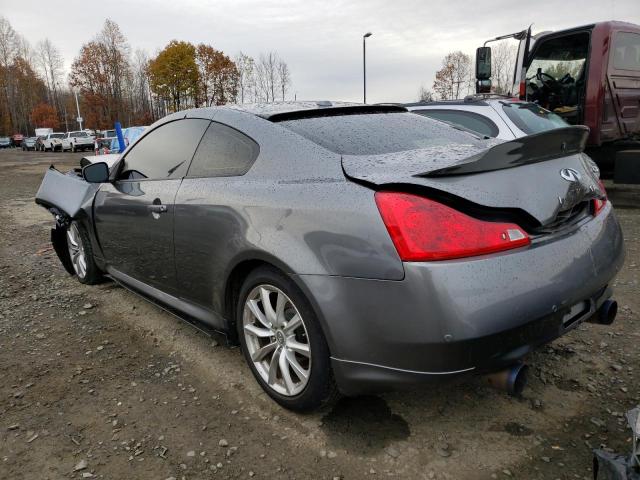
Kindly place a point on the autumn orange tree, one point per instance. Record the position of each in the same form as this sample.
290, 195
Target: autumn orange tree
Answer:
173, 74
44, 115
101, 72
217, 76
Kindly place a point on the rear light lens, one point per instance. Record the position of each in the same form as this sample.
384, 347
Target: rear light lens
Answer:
424, 230
599, 203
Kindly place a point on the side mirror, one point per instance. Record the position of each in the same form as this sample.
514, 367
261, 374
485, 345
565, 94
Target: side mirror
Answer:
483, 86
96, 173
483, 63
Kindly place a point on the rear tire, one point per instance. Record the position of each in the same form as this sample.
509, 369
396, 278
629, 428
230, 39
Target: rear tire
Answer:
283, 344
81, 254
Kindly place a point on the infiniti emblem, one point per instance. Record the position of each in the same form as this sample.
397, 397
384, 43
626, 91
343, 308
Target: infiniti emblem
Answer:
570, 175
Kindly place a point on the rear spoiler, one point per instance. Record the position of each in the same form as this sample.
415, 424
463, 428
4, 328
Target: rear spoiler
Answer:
535, 148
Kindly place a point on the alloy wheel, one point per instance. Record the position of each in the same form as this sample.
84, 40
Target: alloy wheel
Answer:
277, 340
76, 251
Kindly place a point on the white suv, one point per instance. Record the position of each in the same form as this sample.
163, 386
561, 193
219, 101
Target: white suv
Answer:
494, 116
79, 140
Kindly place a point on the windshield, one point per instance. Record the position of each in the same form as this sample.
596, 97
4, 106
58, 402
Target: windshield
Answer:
109, 133
530, 118
78, 134
561, 57
57, 135
378, 133
4, 139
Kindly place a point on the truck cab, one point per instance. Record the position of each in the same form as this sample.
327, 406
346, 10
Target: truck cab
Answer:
589, 75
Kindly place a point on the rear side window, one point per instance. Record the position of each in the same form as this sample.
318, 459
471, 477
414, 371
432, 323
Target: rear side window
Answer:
378, 133
530, 118
469, 120
626, 51
165, 152
223, 152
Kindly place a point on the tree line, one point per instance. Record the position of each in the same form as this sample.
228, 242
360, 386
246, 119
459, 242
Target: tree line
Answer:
112, 83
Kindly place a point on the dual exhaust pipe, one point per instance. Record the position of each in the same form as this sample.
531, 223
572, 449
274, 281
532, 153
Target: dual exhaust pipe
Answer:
606, 314
513, 379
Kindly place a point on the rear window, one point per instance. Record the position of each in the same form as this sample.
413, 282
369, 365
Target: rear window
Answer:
378, 133
626, 52
530, 118
471, 120
57, 135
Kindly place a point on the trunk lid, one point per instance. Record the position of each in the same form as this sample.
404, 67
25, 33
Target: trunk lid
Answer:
546, 175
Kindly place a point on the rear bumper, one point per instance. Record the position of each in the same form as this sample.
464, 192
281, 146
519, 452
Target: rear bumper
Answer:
446, 319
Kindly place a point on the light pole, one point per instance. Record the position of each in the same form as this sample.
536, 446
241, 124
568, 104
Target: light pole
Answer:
364, 63
78, 118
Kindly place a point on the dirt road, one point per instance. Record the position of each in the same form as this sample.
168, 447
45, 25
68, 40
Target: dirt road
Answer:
96, 382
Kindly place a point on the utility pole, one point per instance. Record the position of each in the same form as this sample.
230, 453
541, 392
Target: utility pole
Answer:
364, 64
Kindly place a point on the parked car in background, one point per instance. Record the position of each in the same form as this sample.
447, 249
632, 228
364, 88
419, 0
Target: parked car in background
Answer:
16, 139
349, 247
52, 142
78, 140
5, 142
493, 116
29, 143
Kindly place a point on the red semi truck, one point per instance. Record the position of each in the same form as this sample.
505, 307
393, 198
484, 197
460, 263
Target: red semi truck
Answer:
589, 75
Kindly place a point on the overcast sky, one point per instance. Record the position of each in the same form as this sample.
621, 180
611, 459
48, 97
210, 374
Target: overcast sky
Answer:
320, 40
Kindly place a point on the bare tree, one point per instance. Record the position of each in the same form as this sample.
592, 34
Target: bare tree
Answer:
503, 59
453, 78
8, 43
425, 94
50, 62
8, 52
140, 92
267, 76
117, 61
246, 73
284, 77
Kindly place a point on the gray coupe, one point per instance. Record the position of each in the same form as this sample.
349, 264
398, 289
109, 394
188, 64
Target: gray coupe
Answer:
348, 248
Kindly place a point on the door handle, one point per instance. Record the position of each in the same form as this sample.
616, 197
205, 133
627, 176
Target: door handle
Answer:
157, 208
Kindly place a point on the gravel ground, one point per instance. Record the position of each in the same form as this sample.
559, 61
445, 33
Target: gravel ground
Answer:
96, 382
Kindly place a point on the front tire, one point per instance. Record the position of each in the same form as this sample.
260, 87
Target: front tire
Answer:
81, 255
283, 343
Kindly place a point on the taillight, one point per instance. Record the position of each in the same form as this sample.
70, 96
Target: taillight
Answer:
423, 230
599, 203
523, 90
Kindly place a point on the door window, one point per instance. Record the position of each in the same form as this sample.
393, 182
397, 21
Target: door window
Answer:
223, 152
165, 152
626, 52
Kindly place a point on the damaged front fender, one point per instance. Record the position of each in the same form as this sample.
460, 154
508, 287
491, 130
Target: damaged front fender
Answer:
65, 196
68, 193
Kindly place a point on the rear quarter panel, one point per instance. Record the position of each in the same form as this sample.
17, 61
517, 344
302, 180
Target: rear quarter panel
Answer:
294, 209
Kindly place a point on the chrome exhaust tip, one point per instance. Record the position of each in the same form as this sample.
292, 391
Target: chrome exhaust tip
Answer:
512, 380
